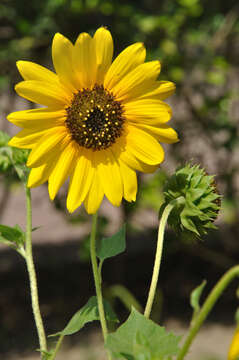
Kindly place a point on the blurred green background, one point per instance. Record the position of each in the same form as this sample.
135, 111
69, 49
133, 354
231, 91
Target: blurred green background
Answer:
197, 42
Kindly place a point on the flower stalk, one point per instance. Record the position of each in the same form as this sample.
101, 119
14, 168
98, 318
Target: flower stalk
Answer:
32, 276
58, 344
97, 275
207, 307
158, 255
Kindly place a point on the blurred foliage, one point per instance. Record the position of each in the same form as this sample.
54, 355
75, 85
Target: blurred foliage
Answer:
12, 161
197, 43
181, 33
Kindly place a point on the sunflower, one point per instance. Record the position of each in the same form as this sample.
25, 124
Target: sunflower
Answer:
101, 120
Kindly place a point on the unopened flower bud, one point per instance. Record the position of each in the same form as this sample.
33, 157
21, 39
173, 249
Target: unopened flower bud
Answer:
199, 200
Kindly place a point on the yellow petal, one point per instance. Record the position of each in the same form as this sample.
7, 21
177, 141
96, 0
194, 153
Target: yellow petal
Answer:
163, 133
234, 347
126, 61
104, 52
26, 139
37, 119
51, 142
62, 56
63, 168
40, 93
161, 90
29, 118
95, 195
40, 175
137, 81
123, 153
84, 60
144, 146
109, 174
147, 111
80, 181
129, 181
32, 71
135, 164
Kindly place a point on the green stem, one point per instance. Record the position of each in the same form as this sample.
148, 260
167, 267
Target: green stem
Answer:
158, 257
207, 307
58, 344
32, 275
126, 297
97, 276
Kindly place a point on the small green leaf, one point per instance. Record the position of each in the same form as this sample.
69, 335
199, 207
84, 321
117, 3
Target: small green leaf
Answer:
195, 297
87, 313
142, 339
12, 234
113, 245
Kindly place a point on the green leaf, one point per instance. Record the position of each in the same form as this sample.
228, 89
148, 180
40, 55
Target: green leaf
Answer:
113, 245
141, 347
86, 314
141, 339
12, 234
195, 297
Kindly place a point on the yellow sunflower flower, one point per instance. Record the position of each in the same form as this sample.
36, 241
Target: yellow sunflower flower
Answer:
101, 122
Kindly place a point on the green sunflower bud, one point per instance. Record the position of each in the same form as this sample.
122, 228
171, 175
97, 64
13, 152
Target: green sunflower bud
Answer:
196, 199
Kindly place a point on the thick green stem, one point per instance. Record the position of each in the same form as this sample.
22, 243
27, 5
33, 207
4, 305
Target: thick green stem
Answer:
207, 307
32, 276
157, 260
97, 276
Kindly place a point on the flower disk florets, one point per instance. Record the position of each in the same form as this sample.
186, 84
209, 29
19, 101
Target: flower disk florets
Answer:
95, 118
199, 200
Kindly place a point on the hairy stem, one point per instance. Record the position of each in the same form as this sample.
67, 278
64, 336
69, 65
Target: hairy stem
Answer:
207, 307
32, 276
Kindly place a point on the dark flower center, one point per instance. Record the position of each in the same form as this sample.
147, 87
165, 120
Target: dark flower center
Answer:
95, 119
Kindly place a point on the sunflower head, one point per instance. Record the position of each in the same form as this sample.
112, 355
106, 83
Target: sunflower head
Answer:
199, 200
95, 119
102, 119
